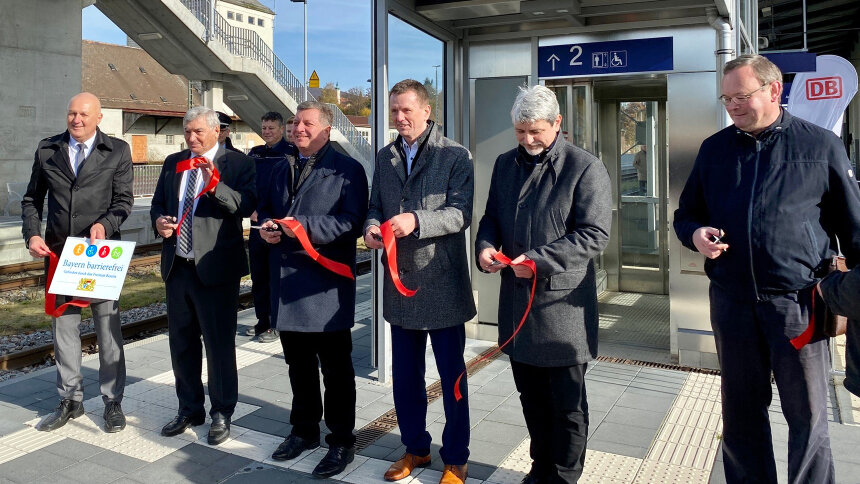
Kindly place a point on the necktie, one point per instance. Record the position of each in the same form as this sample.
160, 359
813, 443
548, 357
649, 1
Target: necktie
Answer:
187, 204
80, 157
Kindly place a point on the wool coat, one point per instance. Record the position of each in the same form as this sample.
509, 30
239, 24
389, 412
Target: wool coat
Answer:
330, 203
559, 215
101, 192
432, 260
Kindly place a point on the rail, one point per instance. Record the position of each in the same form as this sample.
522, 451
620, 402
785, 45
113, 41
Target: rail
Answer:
248, 44
145, 179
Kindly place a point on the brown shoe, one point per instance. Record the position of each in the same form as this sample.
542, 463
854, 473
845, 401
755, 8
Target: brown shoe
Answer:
454, 474
403, 467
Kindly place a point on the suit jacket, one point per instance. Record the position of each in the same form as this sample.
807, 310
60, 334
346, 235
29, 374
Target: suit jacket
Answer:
559, 215
331, 204
433, 260
101, 192
841, 292
219, 250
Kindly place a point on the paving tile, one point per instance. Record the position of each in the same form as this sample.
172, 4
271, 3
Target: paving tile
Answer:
498, 432
635, 417
624, 434
116, 461
617, 448
73, 449
487, 453
33, 466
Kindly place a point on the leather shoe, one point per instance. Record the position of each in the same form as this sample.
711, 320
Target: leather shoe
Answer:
65, 410
403, 467
292, 446
335, 461
219, 430
114, 418
179, 424
453, 474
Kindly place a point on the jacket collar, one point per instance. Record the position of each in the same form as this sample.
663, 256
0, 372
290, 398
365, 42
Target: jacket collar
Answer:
781, 123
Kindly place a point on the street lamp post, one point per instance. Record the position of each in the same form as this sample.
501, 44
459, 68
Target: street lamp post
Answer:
305, 81
436, 86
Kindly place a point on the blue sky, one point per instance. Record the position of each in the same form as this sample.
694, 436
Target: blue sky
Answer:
338, 41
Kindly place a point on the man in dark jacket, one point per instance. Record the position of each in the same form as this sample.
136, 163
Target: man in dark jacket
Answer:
762, 203
841, 292
550, 203
266, 156
87, 177
314, 308
423, 187
224, 140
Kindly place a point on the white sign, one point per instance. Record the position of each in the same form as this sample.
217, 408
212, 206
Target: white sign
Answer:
821, 97
92, 271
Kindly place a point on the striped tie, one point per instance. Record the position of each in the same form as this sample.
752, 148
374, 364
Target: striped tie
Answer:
187, 204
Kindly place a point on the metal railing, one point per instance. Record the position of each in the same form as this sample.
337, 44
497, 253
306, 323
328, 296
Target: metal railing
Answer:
248, 44
145, 179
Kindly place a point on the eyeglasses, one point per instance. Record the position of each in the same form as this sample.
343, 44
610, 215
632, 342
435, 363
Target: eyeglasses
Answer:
742, 99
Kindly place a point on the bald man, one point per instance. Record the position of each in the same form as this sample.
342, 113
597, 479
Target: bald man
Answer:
87, 177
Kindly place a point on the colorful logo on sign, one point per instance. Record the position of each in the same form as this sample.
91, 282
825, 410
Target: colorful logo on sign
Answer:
91, 250
824, 88
86, 284
104, 251
79, 249
116, 253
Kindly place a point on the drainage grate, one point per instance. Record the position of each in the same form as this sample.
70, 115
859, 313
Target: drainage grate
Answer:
662, 366
386, 422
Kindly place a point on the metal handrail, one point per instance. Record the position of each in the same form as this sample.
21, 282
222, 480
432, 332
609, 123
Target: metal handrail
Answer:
248, 44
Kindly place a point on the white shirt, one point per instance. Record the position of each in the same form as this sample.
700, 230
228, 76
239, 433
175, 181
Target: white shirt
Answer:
73, 151
209, 155
411, 151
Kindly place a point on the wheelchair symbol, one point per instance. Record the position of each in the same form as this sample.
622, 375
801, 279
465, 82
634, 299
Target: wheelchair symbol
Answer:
618, 58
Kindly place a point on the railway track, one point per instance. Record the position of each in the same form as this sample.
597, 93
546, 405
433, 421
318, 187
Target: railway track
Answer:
36, 355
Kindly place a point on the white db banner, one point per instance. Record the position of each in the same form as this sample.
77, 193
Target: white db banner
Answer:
94, 271
821, 97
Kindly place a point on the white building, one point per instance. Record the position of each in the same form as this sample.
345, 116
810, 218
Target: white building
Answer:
248, 14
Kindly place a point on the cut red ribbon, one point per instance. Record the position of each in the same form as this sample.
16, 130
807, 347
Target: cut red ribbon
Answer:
390, 243
51, 308
302, 236
504, 260
805, 337
193, 164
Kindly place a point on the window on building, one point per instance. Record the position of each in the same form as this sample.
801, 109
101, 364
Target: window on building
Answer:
239, 17
163, 99
112, 67
250, 20
260, 22
230, 15
142, 70
168, 139
132, 96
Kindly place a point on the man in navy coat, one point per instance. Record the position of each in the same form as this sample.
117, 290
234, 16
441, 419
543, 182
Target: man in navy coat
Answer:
314, 308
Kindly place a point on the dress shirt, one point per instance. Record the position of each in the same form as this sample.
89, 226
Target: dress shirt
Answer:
410, 151
209, 155
73, 151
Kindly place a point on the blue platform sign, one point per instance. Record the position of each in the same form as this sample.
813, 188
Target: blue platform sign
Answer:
610, 57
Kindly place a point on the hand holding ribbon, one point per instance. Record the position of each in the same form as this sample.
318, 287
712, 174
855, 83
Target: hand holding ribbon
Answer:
301, 234
390, 243
209, 169
526, 264
51, 308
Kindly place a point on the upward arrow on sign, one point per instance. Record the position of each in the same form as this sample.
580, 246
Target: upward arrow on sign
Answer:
553, 58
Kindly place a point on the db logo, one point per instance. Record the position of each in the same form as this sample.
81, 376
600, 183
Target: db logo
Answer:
824, 88
104, 251
78, 250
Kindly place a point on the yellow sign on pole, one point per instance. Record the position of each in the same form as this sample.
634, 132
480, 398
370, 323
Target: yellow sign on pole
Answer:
314, 80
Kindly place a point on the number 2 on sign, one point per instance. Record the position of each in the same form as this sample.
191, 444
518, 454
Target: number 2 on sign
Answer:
578, 50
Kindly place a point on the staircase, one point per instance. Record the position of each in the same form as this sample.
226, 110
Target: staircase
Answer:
176, 33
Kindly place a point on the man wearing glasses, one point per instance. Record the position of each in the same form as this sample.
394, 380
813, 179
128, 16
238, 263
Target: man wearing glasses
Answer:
763, 202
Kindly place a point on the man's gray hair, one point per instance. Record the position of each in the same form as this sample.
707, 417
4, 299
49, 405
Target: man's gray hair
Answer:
208, 114
326, 114
765, 71
533, 104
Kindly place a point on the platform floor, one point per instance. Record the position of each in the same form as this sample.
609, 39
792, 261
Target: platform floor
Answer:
648, 425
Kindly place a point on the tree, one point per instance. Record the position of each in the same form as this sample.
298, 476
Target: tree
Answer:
436, 112
328, 94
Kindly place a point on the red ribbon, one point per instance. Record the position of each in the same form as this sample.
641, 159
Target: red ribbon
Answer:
805, 337
390, 243
302, 235
504, 260
192, 164
51, 308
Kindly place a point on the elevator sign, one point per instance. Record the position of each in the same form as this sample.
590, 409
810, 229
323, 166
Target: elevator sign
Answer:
601, 58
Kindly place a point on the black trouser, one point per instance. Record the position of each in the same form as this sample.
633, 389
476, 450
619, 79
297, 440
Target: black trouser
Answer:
305, 353
556, 413
194, 310
753, 340
258, 254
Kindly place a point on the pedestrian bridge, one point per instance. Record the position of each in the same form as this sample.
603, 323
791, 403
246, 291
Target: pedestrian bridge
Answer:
182, 37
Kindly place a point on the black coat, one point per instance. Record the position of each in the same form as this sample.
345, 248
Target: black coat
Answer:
331, 204
101, 192
218, 244
842, 294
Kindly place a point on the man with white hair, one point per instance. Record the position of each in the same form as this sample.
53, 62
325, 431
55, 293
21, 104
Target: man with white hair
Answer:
549, 210
199, 215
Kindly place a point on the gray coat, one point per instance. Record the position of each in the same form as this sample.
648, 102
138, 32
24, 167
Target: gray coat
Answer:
559, 215
439, 192
842, 294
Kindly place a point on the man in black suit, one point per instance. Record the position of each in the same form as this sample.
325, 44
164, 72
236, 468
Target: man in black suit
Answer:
87, 177
202, 259
326, 192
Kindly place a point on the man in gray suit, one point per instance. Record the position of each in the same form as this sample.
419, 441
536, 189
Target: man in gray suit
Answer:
423, 186
87, 177
201, 266
550, 203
